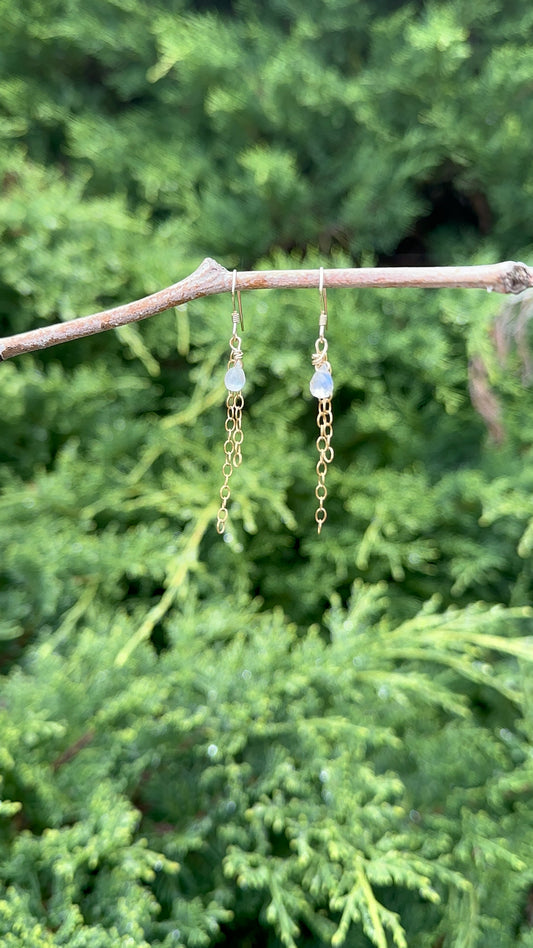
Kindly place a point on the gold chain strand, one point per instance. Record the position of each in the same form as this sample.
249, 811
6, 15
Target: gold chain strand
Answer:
323, 443
233, 426
227, 467
232, 451
238, 405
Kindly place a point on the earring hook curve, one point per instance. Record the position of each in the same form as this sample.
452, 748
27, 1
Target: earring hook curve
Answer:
323, 322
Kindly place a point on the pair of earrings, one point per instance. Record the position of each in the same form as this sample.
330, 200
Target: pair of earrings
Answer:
321, 386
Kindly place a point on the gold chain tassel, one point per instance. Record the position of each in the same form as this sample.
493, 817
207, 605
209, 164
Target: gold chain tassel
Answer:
323, 443
232, 451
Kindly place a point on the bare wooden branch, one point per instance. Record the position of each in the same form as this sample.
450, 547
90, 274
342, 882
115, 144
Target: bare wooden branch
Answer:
73, 750
211, 278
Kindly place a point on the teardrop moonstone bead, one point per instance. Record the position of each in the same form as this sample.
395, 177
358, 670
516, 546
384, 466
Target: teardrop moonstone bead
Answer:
321, 385
234, 379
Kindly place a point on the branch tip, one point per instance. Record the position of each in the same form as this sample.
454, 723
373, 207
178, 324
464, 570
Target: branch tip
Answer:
211, 263
210, 267
517, 279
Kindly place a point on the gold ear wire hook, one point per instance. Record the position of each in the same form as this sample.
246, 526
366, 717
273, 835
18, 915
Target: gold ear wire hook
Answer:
236, 312
323, 320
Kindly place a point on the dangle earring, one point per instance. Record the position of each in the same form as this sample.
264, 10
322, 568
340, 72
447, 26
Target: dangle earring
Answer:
321, 386
234, 381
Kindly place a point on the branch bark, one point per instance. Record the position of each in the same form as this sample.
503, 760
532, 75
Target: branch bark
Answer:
211, 278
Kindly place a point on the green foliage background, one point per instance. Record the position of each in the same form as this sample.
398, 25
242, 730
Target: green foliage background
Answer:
276, 739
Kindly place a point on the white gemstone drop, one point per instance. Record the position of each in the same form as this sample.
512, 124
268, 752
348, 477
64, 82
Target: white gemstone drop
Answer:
321, 385
234, 379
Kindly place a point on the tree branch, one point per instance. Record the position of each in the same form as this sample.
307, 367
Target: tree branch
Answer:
73, 750
211, 278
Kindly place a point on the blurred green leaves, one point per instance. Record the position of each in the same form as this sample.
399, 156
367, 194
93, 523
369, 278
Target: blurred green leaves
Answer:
265, 739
